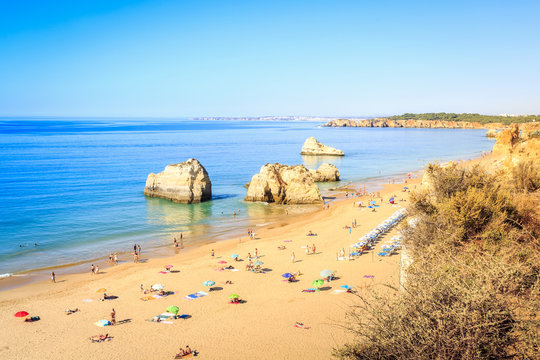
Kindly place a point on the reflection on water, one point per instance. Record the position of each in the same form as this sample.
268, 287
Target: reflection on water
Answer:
313, 162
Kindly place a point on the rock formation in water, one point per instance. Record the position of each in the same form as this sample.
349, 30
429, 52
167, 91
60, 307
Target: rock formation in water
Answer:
313, 147
186, 182
325, 172
491, 133
283, 184
435, 124
506, 140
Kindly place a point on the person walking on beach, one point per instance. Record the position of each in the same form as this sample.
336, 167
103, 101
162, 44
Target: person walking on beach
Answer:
135, 257
96, 269
115, 259
113, 317
139, 250
175, 243
256, 253
212, 253
110, 258
92, 269
53, 277
313, 249
293, 258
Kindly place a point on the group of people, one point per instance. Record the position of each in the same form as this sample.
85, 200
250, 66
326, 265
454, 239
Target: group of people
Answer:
179, 244
183, 352
310, 249
94, 269
136, 253
113, 259
251, 234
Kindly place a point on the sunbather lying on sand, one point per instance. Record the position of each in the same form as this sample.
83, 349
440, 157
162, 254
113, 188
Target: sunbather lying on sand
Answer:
282, 247
69, 311
100, 338
310, 233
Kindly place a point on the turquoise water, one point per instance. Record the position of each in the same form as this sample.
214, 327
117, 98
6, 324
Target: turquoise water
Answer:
75, 187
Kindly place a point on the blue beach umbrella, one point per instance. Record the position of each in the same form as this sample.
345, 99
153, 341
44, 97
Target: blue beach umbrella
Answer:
287, 275
209, 283
258, 263
234, 256
347, 287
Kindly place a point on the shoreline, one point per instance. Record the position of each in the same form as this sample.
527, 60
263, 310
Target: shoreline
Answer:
32, 276
214, 327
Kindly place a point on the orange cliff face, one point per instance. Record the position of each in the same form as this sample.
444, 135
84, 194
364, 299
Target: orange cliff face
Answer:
434, 124
520, 142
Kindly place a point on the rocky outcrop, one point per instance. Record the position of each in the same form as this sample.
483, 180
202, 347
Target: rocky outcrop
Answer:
491, 133
434, 124
186, 182
325, 172
282, 184
506, 140
313, 147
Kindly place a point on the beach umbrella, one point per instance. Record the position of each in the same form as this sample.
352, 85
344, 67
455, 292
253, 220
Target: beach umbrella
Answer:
234, 296
372, 202
168, 266
326, 273
101, 290
222, 262
234, 256
258, 263
346, 287
158, 287
21, 314
406, 188
287, 275
173, 310
209, 283
318, 283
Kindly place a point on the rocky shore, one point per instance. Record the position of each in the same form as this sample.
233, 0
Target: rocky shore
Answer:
433, 124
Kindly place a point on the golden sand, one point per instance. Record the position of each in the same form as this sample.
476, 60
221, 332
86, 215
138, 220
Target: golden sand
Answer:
261, 328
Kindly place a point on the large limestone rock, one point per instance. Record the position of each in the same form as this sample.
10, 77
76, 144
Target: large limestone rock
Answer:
491, 133
186, 182
506, 140
283, 184
325, 172
313, 147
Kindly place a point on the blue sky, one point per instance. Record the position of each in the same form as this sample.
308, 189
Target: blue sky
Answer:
250, 58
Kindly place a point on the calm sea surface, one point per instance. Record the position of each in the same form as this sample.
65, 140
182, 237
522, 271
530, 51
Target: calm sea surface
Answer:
75, 187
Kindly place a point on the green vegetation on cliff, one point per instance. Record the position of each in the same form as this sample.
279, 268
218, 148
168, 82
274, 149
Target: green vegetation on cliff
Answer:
483, 119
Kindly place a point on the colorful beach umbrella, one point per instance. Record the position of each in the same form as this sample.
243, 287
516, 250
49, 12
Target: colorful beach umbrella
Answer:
326, 273
234, 256
173, 310
101, 290
318, 283
222, 262
258, 263
21, 314
158, 287
209, 283
287, 275
234, 296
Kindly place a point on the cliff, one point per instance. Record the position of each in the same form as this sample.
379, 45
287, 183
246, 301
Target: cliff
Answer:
282, 184
186, 182
313, 147
434, 124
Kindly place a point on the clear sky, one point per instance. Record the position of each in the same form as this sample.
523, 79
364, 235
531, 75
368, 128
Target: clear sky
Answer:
250, 58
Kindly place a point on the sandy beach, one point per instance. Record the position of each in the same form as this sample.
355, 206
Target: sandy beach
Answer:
262, 327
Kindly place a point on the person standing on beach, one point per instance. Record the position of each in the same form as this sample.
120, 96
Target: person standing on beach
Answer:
96, 269
110, 258
313, 249
135, 257
256, 253
139, 250
53, 277
113, 317
293, 258
116, 259
175, 243
92, 269
212, 253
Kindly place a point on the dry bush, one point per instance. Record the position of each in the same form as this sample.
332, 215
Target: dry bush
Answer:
473, 290
526, 176
453, 307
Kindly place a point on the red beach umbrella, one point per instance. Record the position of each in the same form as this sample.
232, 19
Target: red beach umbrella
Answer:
21, 314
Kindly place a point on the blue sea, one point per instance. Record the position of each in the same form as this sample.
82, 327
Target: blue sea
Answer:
75, 187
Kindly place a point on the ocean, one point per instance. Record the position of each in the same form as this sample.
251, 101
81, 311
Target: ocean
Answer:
75, 187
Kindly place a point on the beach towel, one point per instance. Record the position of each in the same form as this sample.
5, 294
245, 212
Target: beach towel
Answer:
87, 300
163, 272
309, 290
339, 291
369, 276
102, 323
196, 295
147, 298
